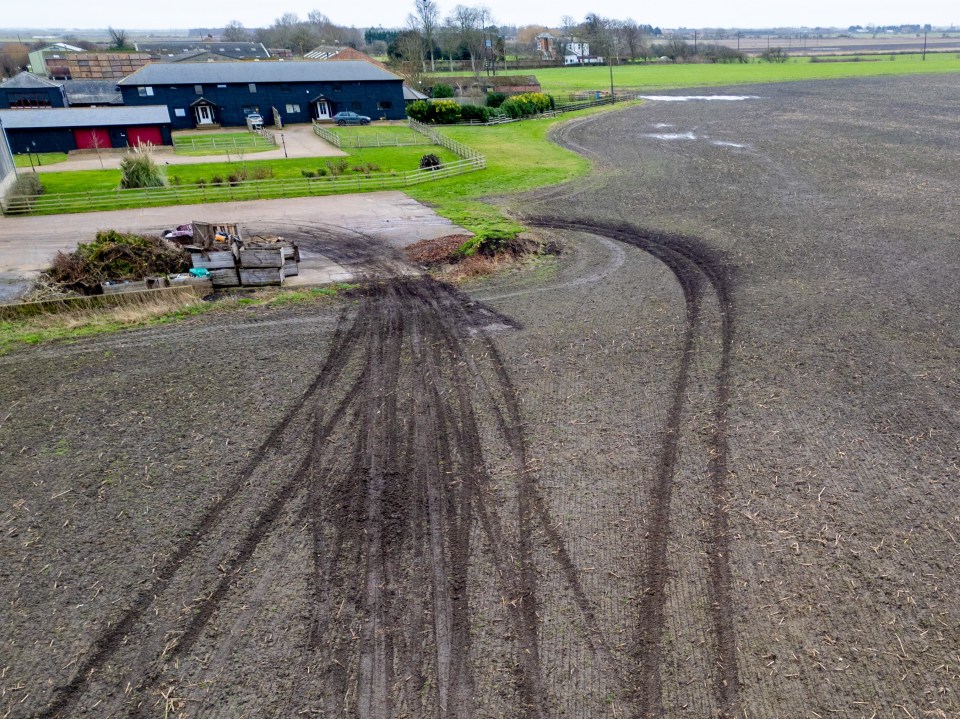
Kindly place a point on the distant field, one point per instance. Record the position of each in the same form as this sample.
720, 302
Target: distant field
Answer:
565, 80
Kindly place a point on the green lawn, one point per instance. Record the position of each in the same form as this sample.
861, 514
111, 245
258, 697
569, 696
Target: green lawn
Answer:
519, 158
400, 159
42, 158
561, 81
374, 133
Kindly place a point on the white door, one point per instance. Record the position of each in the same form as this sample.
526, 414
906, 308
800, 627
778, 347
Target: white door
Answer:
204, 115
323, 110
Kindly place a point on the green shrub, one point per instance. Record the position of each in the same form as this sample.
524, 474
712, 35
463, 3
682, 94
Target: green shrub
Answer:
25, 187
444, 112
430, 162
322, 171
308, 173
137, 169
216, 180
441, 90
338, 167
419, 111
495, 99
474, 112
529, 103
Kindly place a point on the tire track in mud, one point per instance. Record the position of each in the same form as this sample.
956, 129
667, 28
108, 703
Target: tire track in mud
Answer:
696, 269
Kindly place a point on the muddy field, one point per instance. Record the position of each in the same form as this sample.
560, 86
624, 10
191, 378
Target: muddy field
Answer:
705, 463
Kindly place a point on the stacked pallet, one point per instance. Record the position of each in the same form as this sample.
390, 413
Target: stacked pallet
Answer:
249, 264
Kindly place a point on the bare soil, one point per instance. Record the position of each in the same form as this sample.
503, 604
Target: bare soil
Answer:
704, 463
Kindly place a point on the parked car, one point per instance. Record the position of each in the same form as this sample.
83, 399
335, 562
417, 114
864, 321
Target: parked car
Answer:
350, 118
254, 119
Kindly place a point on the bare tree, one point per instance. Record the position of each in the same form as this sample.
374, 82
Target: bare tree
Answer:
471, 23
425, 17
118, 38
234, 31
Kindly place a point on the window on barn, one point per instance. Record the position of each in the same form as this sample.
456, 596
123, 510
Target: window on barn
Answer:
355, 106
252, 86
385, 105
20, 102
198, 89
145, 91
293, 108
179, 112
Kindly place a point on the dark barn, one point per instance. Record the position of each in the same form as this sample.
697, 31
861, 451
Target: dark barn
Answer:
224, 93
85, 128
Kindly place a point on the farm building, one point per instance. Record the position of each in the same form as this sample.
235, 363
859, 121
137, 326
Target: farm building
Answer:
224, 93
466, 85
170, 49
84, 128
26, 90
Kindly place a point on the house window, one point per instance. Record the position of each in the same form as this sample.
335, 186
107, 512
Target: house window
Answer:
198, 89
179, 112
252, 86
293, 108
250, 109
385, 105
145, 91
221, 85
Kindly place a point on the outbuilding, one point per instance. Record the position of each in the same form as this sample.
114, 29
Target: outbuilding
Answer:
224, 93
85, 128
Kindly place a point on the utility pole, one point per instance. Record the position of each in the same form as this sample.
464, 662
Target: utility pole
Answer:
694, 42
924, 45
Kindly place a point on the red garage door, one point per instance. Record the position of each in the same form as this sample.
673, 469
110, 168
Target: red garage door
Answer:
143, 136
91, 138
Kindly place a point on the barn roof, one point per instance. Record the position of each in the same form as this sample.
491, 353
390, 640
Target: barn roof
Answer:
84, 117
238, 50
27, 81
202, 73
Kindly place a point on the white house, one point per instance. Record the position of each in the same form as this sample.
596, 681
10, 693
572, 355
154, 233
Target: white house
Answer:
576, 52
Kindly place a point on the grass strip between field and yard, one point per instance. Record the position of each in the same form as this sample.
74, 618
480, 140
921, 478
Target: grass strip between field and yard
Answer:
139, 312
39, 159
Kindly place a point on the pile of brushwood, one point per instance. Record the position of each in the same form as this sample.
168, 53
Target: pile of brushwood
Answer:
115, 256
455, 251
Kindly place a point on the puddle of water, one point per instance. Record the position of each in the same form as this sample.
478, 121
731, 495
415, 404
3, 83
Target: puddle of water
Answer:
671, 136
662, 125
724, 143
686, 98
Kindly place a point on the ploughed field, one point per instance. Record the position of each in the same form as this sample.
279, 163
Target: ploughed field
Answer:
705, 463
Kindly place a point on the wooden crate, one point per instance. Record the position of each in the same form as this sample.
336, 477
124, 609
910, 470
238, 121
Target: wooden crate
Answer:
290, 269
261, 258
259, 277
214, 260
226, 277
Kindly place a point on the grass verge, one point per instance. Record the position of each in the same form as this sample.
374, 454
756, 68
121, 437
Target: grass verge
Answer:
39, 159
387, 158
519, 158
145, 312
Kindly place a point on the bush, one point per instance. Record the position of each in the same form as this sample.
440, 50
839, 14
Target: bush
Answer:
262, 173
116, 256
474, 112
441, 90
216, 180
495, 99
25, 187
322, 172
308, 173
338, 167
442, 112
430, 162
529, 103
137, 169
774, 54
419, 111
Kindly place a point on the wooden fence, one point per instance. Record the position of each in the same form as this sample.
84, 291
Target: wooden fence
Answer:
238, 142
376, 139
236, 191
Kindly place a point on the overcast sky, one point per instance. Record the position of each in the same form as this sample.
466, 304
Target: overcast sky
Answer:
392, 13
